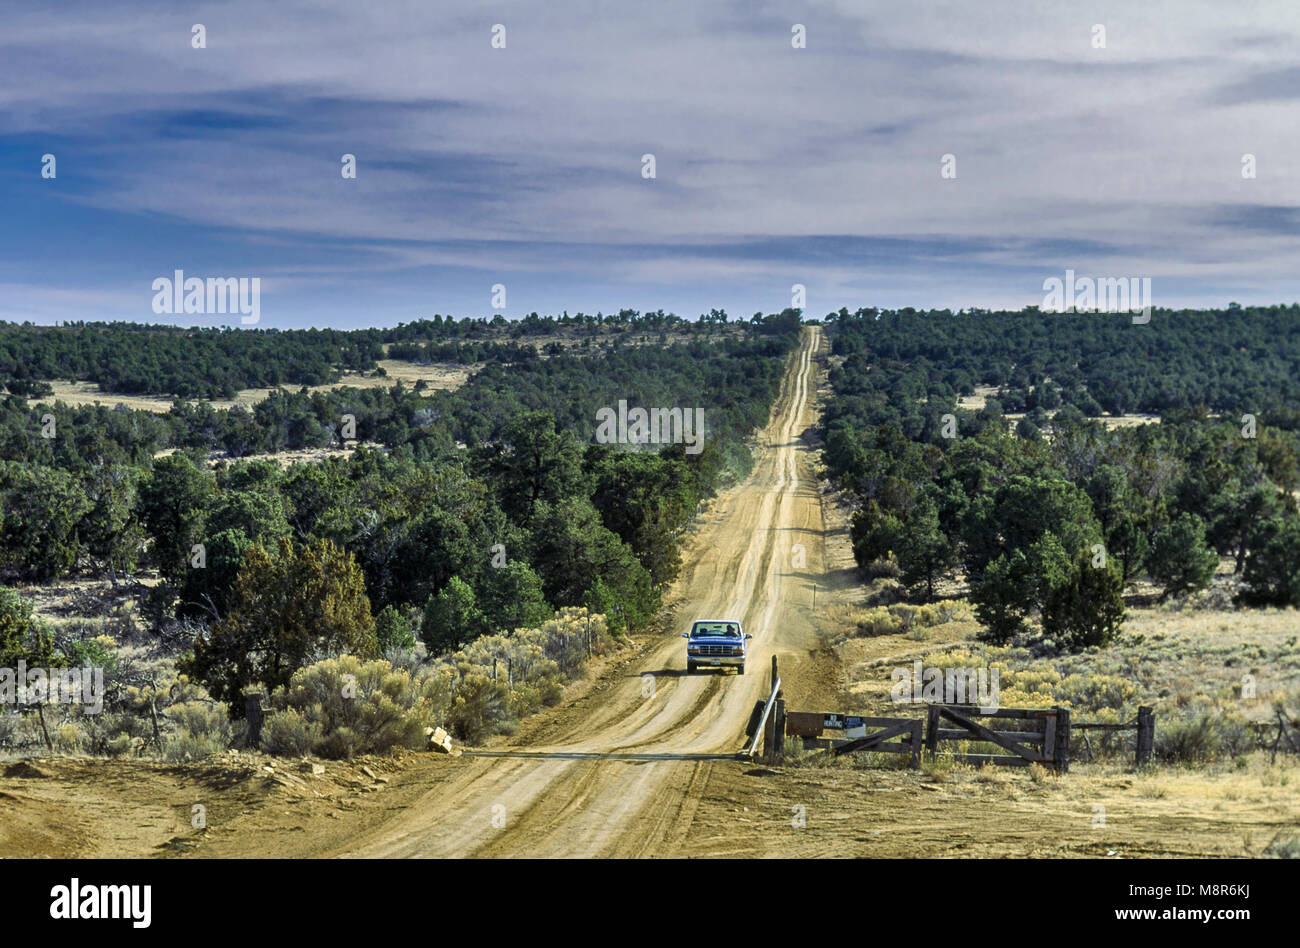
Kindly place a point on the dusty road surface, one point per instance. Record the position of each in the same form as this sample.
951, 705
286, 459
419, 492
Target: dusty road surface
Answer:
741, 565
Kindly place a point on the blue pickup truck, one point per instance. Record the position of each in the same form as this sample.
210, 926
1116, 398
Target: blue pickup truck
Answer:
716, 643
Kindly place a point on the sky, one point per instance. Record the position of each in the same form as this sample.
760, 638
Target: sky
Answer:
1115, 156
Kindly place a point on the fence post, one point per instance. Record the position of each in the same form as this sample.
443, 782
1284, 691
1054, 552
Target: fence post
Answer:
1146, 734
772, 682
1061, 755
254, 714
778, 730
932, 729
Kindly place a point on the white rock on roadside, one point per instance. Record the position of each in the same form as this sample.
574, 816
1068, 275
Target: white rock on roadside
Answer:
439, 740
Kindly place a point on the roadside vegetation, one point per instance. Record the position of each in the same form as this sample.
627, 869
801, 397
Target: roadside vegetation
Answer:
452, 560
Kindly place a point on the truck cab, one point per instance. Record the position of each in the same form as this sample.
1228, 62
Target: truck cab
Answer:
716, 643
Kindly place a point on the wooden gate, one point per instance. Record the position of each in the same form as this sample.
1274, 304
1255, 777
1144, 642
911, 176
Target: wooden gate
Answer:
1040, 736
811, 725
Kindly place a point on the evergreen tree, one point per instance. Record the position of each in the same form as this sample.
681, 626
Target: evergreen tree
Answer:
451, 618
286, 610
1180, 559
1088, 609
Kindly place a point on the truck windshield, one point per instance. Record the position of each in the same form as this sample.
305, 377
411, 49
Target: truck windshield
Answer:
715, 629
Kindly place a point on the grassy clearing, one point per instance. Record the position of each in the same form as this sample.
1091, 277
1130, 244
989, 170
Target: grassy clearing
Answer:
448, 376
983, 393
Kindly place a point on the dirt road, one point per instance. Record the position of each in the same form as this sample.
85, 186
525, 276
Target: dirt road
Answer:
757, 560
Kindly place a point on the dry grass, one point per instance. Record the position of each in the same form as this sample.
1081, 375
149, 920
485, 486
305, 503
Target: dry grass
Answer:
302, 455
977, 401
77, 394
1243, 808
449, 376
1129, 420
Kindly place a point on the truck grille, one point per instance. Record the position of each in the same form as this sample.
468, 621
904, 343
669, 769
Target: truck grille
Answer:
715, 649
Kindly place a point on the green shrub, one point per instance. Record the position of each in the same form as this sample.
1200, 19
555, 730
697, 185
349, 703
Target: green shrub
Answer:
481, 708
95, 652
70, 739
341, 707
1180, 558
530, 697
1235, 736
884, 567
903, 618
8, 726
451, 617
501, 678
1189, 740
202, 727
121, 729
288, 733
393, 631
1095, 692
119, 745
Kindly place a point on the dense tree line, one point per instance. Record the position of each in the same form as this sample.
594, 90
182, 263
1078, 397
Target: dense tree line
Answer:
1055, 519
189, 363
486, 509
1242, 359
134, 359
733, 378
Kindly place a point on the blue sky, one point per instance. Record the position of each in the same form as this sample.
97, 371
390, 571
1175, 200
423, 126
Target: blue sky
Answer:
522, 166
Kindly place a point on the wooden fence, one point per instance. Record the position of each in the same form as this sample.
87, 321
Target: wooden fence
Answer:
1024, 735
810, 726
1032, 736
1144, 726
